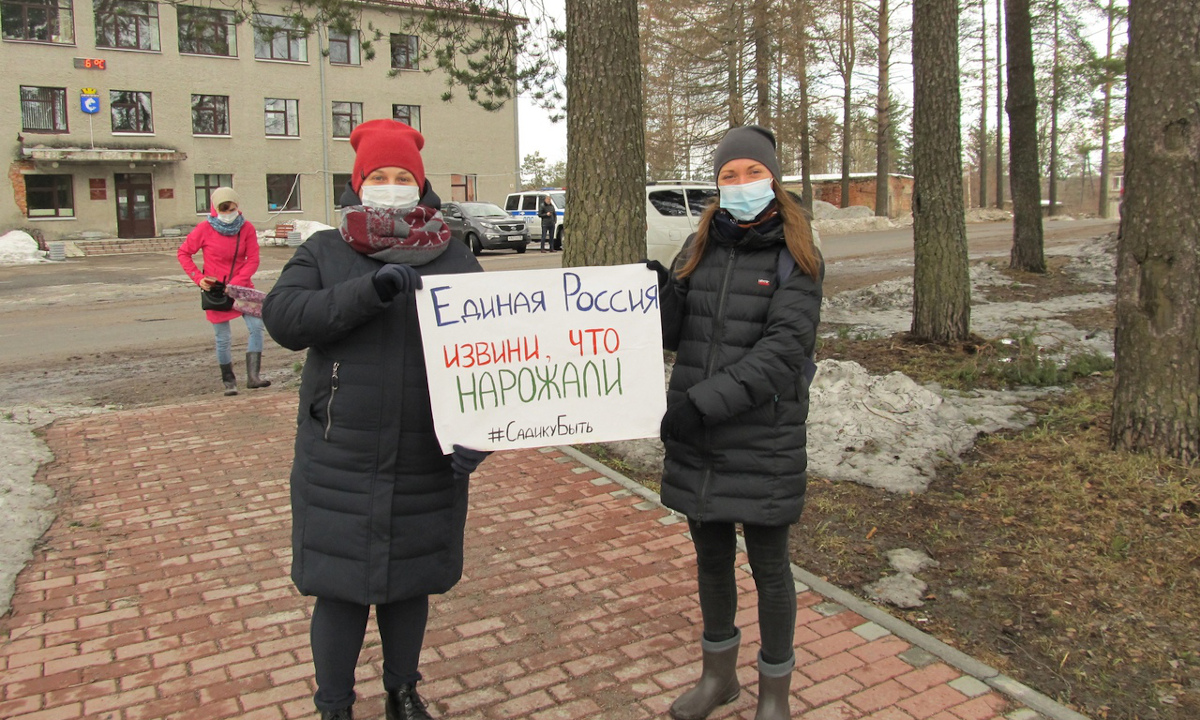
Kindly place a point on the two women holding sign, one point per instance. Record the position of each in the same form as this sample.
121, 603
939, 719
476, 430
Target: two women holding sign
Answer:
741, 307
379, 511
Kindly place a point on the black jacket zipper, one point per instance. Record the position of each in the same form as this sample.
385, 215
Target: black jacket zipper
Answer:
333, 388
718, 332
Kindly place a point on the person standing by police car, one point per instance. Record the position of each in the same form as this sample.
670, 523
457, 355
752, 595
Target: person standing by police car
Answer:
549, 216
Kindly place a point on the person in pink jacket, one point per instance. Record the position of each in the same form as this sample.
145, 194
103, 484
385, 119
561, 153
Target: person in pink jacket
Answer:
230, 248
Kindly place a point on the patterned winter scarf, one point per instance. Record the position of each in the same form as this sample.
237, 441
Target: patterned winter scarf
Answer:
393, 236
225, 228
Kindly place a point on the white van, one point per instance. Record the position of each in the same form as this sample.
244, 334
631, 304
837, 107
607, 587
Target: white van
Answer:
525, 205
673, 208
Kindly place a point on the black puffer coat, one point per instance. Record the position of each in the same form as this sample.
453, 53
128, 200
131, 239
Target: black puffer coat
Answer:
376, 513
742, 340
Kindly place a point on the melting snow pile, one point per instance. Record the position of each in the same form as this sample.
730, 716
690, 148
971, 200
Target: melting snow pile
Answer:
19, 248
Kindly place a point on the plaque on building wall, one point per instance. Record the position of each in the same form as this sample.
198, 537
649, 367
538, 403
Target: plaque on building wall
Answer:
97, 189
166, 193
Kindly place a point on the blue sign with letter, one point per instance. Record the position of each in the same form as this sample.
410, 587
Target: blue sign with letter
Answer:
90, 104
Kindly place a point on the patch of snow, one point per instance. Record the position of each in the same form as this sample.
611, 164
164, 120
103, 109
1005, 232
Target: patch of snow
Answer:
907, 560
976, 215
903, 590
890, 432
308, 227
25, 505
19, 248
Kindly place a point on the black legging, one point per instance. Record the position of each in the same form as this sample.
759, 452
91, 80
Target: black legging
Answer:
338, 630
767, 547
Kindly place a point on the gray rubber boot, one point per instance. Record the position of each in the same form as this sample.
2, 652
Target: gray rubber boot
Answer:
718, 681
774, 690
253, 364
228, 379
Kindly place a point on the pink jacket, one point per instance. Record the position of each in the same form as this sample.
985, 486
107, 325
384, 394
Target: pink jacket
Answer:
218, 257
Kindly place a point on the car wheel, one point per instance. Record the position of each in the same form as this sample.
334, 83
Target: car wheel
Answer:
476, 246
520, 249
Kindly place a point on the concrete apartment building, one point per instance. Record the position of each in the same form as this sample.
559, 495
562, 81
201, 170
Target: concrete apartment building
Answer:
123, 115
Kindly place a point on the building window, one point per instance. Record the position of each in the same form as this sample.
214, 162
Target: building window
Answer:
43, 109
49, 196
277, 38
283, 192
39, 20
405, 52
346, 116
407, 114
127, 24
130, 111
340, 182
344, 48
207, 31
210, 115
462, 188
205, 184
282, 117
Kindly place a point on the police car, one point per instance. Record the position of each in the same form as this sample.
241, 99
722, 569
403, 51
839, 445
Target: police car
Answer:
525, 205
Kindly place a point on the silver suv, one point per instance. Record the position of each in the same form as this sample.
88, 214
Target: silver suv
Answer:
484, 226
673, 208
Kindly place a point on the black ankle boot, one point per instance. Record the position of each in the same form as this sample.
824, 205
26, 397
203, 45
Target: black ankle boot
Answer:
346, 713
228, 379
253, 364
405, 704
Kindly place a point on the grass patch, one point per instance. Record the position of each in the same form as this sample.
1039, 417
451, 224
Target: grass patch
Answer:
977, 363
1073, 568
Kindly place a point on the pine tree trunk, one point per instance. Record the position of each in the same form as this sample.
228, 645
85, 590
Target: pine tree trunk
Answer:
999, 105
605, 224
883, 132
983, 108
1027, 249
762, 63
1106, 119
941, 285
1156, 401
1052, 187
805, 129
849, 51
733, 65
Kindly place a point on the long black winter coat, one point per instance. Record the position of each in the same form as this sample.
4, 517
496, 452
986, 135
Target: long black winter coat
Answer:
742, 339
376, 513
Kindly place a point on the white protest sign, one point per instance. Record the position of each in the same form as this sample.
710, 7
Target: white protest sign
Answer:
543, 357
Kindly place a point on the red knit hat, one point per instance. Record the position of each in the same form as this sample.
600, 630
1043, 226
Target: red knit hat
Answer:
386, 143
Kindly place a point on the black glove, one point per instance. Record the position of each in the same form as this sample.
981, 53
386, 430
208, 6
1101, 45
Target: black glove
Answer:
393, 279
656, 266
682, 420
464, 461
663, 273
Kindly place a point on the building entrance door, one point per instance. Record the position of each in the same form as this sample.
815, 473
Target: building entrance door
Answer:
135, 209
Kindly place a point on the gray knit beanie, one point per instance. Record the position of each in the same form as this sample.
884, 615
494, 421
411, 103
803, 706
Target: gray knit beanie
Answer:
750, 141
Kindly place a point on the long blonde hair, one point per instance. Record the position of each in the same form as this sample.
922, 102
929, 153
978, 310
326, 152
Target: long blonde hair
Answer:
797, 234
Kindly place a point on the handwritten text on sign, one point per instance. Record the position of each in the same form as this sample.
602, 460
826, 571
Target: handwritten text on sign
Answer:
543, 357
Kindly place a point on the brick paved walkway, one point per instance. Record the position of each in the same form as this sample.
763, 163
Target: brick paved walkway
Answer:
161, 591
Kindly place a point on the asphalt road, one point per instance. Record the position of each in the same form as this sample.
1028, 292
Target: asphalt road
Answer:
57, 312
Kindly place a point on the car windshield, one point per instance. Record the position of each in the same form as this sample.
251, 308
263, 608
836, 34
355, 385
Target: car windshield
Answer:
560, 199
483, 210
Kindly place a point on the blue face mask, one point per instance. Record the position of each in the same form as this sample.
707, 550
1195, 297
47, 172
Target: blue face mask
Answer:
746, 202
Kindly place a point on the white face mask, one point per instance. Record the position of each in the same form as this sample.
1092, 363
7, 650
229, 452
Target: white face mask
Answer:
745, 202
392, 197
228, 217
